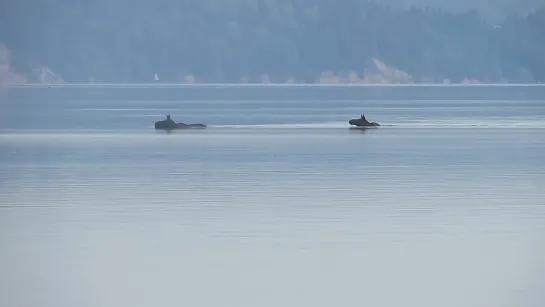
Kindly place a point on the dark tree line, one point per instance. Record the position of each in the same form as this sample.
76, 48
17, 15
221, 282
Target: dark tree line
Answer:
223, 41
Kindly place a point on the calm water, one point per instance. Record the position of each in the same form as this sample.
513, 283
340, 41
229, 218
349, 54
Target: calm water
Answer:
277, 203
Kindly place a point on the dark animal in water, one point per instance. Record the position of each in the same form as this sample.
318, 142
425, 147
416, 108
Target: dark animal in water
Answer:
169, 124
362, 122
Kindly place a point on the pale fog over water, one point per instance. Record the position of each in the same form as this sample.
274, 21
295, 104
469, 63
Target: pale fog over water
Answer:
276, 203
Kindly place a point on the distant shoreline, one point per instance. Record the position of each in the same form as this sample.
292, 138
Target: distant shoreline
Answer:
242, 85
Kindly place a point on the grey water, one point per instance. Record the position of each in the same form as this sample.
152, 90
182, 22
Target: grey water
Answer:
276, 203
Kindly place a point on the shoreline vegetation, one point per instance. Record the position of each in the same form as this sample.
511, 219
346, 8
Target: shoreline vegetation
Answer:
249, 85
260, 42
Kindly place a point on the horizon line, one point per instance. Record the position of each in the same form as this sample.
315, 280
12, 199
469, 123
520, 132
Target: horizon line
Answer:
230, 84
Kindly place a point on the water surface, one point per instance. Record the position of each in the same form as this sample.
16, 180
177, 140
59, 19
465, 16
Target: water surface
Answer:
277, 203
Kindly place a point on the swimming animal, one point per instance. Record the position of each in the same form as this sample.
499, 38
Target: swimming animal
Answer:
169, 124
362, 122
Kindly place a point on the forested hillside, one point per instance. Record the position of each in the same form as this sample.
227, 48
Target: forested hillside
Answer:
267, 41
492, 10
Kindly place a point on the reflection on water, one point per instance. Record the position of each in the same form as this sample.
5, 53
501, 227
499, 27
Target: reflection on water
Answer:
280, 214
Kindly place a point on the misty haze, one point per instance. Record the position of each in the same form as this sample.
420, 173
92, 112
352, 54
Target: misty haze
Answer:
280, 41
272, 153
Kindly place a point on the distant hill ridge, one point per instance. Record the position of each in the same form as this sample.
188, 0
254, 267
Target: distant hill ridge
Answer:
282, 41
